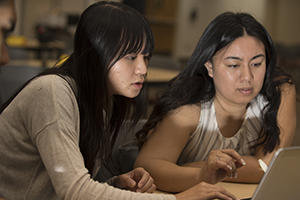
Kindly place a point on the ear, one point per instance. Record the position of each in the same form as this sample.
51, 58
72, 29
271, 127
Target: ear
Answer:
209, 68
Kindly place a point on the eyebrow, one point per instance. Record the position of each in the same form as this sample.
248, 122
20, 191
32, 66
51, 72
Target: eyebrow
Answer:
238, 58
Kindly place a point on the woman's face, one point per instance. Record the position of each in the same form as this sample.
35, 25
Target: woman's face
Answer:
238, 70
127, 75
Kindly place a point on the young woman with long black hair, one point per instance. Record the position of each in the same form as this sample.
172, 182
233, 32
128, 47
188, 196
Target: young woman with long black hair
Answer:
230, 96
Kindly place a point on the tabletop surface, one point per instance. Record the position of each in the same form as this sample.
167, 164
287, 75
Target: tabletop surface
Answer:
155, 74
240, 190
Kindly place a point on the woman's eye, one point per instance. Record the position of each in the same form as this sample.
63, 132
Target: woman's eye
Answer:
131, 57
256, 64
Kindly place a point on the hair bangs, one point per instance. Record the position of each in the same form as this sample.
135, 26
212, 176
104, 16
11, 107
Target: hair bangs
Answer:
135, 38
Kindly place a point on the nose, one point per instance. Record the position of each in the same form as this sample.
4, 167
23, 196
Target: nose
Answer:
4, 57
246, 74
142, 66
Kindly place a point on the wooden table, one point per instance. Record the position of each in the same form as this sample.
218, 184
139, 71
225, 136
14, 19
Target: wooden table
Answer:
240, 190
157, 80
39, 47
160, 75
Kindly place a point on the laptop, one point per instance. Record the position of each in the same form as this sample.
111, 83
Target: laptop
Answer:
282, 178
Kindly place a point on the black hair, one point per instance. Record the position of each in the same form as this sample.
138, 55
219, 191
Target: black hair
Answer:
194, 85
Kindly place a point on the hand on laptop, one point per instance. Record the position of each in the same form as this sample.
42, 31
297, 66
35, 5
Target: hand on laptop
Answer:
221, 164
205, 191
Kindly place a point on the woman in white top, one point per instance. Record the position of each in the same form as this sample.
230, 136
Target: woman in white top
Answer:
58, 129
230, 95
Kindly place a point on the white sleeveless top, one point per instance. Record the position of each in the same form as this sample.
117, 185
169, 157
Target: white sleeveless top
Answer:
207, 136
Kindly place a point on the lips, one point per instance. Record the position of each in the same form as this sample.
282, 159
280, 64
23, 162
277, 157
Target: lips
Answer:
245, 90
138, 84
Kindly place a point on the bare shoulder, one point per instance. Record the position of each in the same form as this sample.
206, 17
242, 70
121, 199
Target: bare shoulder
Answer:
187, 110
186, 117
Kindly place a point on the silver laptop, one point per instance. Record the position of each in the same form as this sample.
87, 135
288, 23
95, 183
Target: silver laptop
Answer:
282, 178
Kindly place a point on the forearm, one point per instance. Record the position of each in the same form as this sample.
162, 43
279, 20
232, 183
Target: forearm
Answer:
198, 164
170, 177
250, 173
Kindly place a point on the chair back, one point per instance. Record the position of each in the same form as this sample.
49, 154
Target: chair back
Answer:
12, 77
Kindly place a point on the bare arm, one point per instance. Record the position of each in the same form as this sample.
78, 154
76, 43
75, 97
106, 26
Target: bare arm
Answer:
164, 146
160, 152
252, 172
287, 120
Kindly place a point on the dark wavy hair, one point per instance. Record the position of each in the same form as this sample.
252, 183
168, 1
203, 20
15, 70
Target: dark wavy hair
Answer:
194, 85
106, 32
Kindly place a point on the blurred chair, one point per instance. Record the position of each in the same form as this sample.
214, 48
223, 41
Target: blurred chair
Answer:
18, 54
124, 153
12, 77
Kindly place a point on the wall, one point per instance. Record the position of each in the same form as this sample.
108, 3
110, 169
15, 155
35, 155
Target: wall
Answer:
280, 17
206, 11
35, 10
30, 12
287, 19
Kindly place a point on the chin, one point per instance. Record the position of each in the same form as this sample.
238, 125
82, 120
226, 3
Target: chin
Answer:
131, 96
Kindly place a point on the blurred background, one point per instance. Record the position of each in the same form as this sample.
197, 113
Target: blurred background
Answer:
45, 30
177, 24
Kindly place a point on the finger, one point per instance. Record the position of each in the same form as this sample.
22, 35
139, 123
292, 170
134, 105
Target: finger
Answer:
125, 181
232, 164
144, 179
222, 193
146, 189
139, 173
146, 185
229, 168
227, 158
232, 153
216, 191
128, 178
130, 183
223, 196
234, 160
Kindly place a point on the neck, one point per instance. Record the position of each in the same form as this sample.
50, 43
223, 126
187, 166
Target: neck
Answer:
230, 110
229, 117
